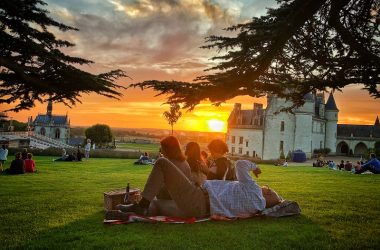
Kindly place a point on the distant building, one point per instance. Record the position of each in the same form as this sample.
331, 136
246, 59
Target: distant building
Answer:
53, 126
266, 133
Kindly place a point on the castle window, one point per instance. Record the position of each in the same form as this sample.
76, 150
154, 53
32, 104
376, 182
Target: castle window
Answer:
241, 140
282, 125
320, 144
321, 128
57, 133
254, 153
42, 131
247, 153
240, 151
232, 150
281, 146
246, 143
233, 139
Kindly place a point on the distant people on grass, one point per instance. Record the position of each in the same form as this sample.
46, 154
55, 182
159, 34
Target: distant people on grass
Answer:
373, 165
17, 165
348, 166
3, 156
87, 149
331, 164
64, 152
341, 165
24, 154
72, 156
220, 166
79, 154
144, 159
30, 165
285, 164
198, 167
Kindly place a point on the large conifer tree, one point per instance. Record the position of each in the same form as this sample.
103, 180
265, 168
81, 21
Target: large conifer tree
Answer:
32, 66
298, 47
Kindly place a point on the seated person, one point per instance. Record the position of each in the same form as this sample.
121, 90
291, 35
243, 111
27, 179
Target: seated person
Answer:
30, 165
348, 166
232, 199
373, 165
144, 159
341, 165
79, 155
198, 167
17, 165
331, 164
220, 167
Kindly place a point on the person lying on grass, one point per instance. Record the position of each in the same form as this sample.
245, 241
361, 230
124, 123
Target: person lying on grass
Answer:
373, 165
232, 199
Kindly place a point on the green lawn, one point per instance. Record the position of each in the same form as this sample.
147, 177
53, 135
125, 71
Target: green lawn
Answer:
149, 147
61, 207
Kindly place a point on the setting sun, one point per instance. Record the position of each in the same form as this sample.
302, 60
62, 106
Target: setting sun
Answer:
215, 125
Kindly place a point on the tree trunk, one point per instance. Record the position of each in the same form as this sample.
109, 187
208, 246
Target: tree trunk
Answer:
172, 129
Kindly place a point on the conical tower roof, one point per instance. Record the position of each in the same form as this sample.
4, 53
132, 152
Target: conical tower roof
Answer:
377, 122
330, 104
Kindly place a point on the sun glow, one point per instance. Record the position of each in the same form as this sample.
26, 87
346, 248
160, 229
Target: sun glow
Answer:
215, 125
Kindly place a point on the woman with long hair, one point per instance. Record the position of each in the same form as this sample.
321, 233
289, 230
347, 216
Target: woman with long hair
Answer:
171, 149
198, 168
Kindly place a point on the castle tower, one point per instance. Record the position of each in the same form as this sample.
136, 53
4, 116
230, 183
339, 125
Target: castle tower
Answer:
377, 122
49, 110
331, 115
303, 125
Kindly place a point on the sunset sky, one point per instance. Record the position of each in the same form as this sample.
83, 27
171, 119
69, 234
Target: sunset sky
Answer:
160, 40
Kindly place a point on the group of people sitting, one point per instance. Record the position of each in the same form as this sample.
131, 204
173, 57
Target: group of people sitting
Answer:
73, 156
190, 184
23, 163
372, 165
144, 160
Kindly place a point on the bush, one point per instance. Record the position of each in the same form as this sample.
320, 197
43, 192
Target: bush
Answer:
322, 151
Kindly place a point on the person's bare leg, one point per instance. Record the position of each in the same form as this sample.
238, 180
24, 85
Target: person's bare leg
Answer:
190, 199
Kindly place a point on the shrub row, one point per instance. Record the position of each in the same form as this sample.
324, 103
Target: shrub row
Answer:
99, 153
322, 151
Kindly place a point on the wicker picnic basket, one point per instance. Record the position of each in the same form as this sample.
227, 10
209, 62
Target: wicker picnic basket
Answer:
115, 197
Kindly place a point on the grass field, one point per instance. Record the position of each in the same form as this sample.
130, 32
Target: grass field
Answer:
151, 147
61, 207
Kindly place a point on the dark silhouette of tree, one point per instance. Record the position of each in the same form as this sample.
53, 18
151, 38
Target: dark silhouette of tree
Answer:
296, 48
99, 134
173, 115
32, 66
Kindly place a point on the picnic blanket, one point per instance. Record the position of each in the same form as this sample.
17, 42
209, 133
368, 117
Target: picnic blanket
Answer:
285, 208
156, 219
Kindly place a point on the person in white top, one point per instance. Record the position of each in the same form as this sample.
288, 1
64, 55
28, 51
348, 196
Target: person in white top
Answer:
3, 156
87, 149
241, 198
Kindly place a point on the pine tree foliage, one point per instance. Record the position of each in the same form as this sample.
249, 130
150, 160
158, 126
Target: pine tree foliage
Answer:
299, 47
32, 65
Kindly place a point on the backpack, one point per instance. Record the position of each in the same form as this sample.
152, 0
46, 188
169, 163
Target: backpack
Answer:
285, 208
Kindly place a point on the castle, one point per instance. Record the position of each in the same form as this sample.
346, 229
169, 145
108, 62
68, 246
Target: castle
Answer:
53, 126
268, 133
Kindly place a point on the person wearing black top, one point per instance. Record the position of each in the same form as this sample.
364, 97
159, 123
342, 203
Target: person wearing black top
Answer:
220, 166
17, 166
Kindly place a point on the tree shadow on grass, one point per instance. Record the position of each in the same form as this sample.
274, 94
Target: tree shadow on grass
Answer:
297, 232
